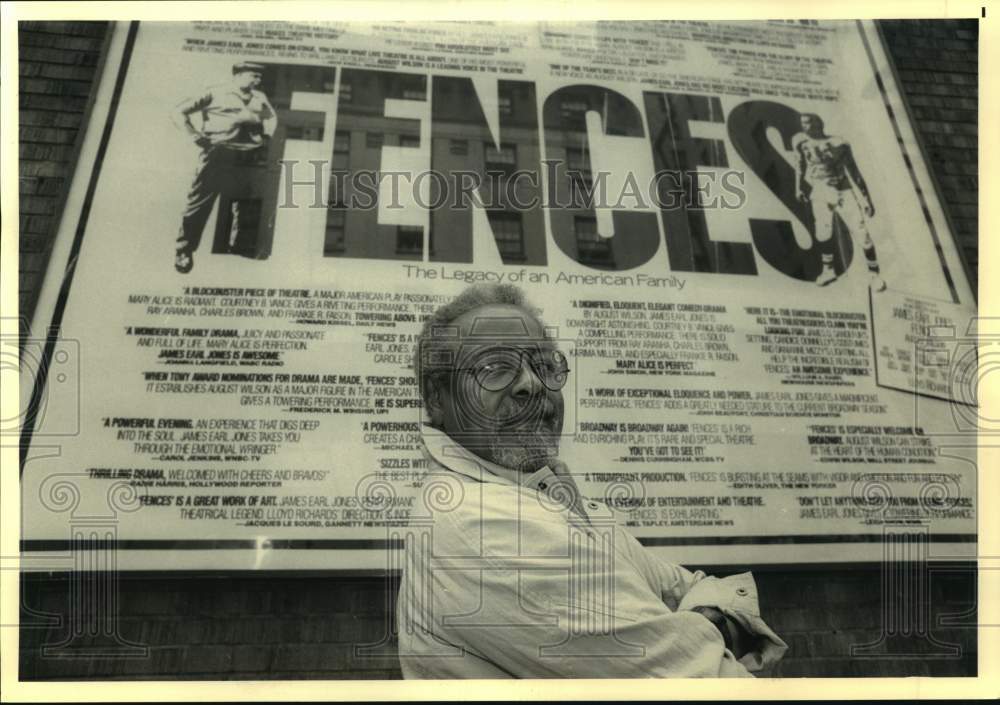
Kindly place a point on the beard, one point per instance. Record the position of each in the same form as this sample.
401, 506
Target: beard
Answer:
523, 452
524, 442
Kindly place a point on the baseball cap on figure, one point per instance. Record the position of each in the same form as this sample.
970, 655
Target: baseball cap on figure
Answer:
247, 66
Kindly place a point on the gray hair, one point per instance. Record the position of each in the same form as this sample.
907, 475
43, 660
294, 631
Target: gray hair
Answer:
472, 298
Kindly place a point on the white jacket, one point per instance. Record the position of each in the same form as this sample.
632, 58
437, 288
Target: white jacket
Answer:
502, 579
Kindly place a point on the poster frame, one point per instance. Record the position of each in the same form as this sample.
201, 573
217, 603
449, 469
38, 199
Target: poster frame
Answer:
55, 288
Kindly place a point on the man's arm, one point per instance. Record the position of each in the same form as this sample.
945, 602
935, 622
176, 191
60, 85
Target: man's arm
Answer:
269, 117
737, 638
729, 603
674, 584
564, 613
854, 174
181, 116
800, 168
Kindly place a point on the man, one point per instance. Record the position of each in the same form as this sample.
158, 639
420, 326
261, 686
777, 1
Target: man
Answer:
828, 177
233, 118
510, 571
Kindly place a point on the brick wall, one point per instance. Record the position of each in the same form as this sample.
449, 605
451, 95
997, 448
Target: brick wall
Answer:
285, 626
938, 67
279, 626
241, 626
56, 66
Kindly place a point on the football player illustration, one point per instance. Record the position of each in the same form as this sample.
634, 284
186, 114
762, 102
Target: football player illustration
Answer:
828, 178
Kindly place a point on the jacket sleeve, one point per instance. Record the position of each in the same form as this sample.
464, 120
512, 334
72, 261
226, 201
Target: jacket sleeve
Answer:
735, 596
572, 614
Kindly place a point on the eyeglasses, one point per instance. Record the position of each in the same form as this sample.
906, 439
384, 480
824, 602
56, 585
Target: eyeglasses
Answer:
496, 369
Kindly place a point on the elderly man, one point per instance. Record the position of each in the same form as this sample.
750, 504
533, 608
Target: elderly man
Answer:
510, 571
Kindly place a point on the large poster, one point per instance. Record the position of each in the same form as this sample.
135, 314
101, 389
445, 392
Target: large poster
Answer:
728, 228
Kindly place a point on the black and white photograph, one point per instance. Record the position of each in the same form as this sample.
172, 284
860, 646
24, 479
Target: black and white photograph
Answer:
461, 349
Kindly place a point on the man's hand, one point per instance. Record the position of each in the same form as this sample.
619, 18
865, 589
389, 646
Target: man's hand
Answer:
736, 638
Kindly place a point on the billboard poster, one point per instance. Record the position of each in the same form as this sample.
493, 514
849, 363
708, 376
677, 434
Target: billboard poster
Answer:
728, 227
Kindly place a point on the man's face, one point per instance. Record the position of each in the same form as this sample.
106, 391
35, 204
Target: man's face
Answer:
248, 79
495, 400
810, 125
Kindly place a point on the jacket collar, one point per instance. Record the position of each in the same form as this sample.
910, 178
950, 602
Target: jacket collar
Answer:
450, 454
